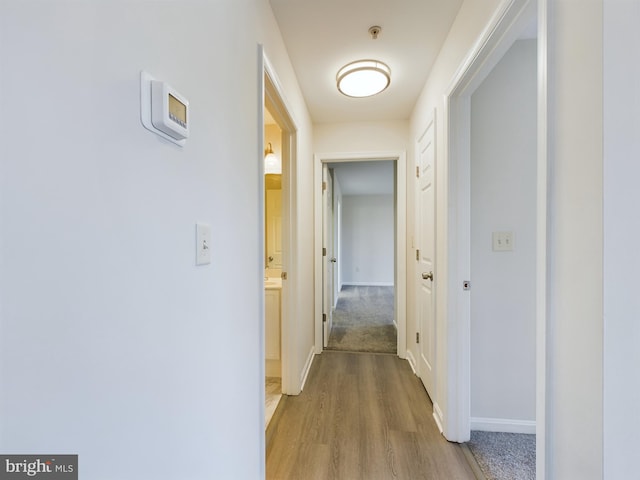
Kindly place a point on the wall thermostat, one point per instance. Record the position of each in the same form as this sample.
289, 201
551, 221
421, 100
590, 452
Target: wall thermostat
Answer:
163, 110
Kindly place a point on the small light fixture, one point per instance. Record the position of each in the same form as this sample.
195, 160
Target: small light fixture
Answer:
363, 78
272, 164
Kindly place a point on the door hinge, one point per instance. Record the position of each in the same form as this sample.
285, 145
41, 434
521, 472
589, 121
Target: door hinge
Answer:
324, 186
324, 318
324, 251
418, 254
417, 171
417, 337
283, 275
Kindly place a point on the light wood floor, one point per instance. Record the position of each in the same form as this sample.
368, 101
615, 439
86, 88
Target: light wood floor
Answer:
360, 416
272, 396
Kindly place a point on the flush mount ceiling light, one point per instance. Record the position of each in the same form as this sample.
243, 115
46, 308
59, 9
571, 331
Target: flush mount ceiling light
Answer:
363, 78
272, 164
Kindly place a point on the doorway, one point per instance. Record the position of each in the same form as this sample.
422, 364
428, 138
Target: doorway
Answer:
358, 257
503, 243
282, 135
273, 253
325, 162
507, 26
503, 263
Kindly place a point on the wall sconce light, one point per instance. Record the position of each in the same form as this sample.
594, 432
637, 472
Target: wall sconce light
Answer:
272, 164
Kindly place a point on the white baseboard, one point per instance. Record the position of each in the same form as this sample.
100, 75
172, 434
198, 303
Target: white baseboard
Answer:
272, 368
503, 425
412, 361
307, 367
438, 417
368, 284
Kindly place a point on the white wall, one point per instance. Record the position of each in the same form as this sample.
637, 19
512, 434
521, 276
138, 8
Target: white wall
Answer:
471, 20
582, 290
367, 242
114, 345
621, 238
503, 198
357, 137
575, 242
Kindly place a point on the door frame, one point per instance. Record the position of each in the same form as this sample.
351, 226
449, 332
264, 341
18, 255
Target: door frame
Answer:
400, 274
271, 95
501, 32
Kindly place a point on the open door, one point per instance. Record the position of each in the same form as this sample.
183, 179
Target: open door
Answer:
328, 257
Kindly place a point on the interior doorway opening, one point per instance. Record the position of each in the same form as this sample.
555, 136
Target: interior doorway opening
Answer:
273, 253
503, 264
277, 204
323, 163
507, 26
358, 257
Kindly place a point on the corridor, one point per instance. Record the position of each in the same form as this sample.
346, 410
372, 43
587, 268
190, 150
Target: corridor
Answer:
361, 416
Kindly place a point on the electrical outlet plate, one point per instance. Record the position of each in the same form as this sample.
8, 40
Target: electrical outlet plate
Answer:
502, 241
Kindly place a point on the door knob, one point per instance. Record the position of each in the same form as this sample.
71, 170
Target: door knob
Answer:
333, 260
427, 276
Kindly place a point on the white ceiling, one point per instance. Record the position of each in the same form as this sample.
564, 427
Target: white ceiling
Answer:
321, 36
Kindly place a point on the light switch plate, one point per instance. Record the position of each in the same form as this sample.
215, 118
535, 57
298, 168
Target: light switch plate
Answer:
203, 244
502, 241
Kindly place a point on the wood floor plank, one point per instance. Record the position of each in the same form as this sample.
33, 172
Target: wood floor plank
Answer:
361, 416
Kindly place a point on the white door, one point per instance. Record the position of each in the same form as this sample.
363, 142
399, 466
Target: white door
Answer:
328, 259
426, 246
274, 228
337, 215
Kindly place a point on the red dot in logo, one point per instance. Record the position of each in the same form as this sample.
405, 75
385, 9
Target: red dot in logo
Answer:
48, 462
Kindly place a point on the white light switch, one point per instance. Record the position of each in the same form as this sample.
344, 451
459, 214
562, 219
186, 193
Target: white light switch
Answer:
203, 244
502, 241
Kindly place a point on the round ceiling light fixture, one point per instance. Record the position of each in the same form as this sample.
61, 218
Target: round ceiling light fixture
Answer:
363, 78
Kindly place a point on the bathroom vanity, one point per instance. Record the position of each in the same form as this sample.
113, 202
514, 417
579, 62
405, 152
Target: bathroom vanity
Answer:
272, 294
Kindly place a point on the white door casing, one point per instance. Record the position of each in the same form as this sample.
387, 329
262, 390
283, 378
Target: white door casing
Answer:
425, 194
400, 278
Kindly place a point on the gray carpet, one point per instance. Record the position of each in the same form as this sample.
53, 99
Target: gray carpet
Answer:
504, 456
363, 320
